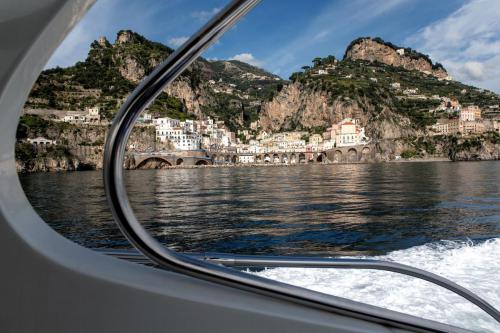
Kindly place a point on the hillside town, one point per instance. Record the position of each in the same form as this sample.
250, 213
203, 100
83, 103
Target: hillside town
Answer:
213, 136
464, 120
379, 103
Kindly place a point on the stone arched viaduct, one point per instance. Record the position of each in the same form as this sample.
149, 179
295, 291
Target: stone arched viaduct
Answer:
351, 154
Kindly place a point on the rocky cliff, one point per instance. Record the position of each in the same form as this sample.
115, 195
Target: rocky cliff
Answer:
77, 148
298, 106
480, 148
228, 90
375, 49
389, 89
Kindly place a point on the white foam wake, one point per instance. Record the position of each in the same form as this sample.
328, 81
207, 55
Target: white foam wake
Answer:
474, 266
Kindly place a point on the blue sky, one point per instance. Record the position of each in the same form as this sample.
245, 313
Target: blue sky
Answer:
282, 36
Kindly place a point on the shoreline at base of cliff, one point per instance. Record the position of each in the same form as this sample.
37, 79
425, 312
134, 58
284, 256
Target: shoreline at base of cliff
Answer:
419, 160
412, 160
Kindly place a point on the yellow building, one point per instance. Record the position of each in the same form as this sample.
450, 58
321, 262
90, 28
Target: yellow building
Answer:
471, 127
315, 139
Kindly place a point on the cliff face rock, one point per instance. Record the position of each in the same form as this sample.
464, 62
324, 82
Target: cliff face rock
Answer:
282, 108
296, 104
83, 146
389, 125
483, 151
48, 164
124, 36
131, 70
372, 50
192, 100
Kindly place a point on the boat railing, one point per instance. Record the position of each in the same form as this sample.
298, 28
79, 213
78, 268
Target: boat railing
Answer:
253, 261
216, 268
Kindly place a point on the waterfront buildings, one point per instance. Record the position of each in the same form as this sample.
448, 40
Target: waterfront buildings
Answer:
316, 139
194, 134
175, 131
284, 141
445, 127
348, 132
468, 122
246, 158
471, 127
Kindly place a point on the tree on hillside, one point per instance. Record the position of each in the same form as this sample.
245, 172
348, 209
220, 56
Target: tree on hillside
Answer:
296, 76
330, 59
317, 61
306, 68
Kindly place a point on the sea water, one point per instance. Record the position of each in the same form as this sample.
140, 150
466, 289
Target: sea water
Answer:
442, 217
474, 266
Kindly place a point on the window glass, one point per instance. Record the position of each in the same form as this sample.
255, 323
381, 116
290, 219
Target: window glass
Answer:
324, 128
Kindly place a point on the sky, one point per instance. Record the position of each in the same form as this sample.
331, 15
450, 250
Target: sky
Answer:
282, 36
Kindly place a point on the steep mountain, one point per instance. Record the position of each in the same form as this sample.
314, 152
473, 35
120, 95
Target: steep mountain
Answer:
376, 49
228, 90
394, 92
390, 101
389, 88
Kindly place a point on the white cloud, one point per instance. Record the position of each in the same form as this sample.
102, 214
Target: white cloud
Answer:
474, 70
248, 58
177, 41
205, 15
320, 35
467, 42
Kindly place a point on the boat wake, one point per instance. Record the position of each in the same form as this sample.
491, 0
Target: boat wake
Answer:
474, 266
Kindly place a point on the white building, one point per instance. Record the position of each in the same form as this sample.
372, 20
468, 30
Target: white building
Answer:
467, 114
410, 91
167, 122
41, 142
316, 139
74, 118
328, 144
396, 85
246, 158
346, 133
168, 129
90, 116
189, 126
93, 115
145, 118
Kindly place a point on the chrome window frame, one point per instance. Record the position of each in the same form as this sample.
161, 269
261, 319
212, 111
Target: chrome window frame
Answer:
213, 269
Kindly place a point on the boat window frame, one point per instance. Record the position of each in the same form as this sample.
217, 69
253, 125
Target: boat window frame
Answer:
216, 270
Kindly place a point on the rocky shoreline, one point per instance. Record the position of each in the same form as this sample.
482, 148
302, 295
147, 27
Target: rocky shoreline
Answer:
68, 166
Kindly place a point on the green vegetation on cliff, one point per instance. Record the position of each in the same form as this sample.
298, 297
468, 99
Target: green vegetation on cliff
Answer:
111, 71
371, 83
409, 52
